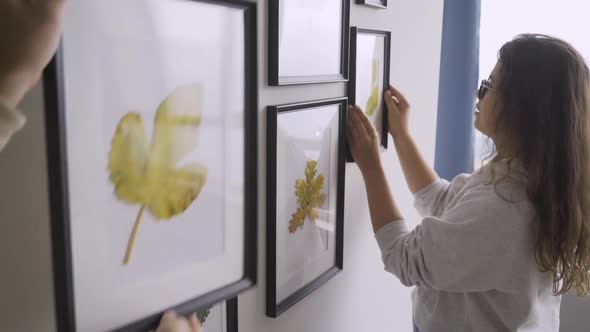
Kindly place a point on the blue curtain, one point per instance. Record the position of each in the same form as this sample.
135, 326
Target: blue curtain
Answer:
459, 72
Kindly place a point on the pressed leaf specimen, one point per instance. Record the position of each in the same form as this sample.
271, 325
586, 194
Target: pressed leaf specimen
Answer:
149, 175
309, 197
203, 314
373, 100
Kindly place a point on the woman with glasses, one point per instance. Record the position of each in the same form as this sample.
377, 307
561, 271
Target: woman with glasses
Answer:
495, 249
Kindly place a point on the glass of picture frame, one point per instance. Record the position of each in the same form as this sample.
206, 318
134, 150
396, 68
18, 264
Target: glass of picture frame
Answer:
308, 41
369, 77
305, 199
152, 169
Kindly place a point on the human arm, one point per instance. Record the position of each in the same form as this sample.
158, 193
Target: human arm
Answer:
364, 146
480, 244
432, 193
417, 172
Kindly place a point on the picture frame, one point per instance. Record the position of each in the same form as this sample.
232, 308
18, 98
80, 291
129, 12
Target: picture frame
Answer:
381, 4
329, 60
131, 294
222, 317
369, 84
305, 199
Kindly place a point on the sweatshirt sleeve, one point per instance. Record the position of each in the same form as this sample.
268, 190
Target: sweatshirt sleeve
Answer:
471, 248
432, 200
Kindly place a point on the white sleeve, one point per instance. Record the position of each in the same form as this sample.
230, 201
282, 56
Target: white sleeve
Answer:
434, 198
480, 244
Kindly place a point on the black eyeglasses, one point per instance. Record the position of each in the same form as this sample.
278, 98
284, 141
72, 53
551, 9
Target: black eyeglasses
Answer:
484, 87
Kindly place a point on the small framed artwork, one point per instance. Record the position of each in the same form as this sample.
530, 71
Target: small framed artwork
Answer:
305, 199
222, 317
152, 169
308, 41
373, 3
369, 77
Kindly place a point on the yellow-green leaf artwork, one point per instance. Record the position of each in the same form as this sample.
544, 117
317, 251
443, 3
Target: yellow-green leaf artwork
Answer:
373, 100
309, 197
148, 175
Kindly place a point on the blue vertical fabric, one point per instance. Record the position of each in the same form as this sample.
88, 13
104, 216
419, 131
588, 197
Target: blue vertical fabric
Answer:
459, 71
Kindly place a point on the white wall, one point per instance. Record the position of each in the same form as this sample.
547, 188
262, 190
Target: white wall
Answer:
362, 297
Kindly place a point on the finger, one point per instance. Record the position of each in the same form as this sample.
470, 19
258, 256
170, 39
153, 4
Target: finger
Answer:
358, 119
352, 136
353, 122
169, 315
390, 102
351, 144
367, 125
167, 321
403, 103
195, 323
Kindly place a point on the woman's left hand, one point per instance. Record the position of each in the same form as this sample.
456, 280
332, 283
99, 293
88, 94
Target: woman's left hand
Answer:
171, 322
362, 140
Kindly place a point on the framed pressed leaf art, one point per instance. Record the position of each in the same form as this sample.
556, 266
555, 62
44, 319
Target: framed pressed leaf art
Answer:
369, 77
305, 199
152, 168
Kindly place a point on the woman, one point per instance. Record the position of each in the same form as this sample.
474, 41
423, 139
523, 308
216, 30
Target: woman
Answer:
496, 249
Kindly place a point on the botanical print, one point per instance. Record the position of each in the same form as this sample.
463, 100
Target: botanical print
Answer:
370, 68
149, 176
306, 170
373, 101
309, 197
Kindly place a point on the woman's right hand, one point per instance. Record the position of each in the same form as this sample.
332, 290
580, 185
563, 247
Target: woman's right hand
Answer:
398, 111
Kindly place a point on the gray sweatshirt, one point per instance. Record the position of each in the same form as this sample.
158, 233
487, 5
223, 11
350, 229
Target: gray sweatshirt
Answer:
472, 257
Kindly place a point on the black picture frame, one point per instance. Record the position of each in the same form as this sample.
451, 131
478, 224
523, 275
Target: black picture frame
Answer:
381, 4
57, 163
354, 31
274, 78
273, 309
232, 314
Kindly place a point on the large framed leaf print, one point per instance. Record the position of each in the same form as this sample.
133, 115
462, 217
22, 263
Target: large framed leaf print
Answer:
152, 168
305, 199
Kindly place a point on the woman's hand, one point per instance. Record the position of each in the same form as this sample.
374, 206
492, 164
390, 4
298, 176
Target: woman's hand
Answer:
29, 35
363, 140
398, 111
171, 322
